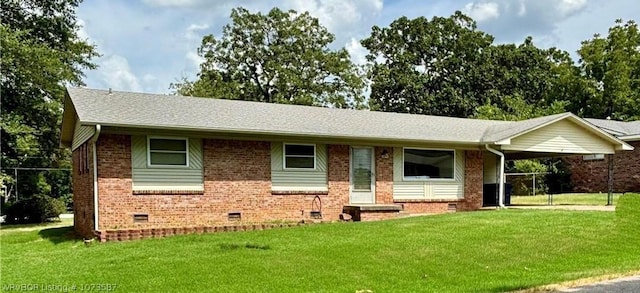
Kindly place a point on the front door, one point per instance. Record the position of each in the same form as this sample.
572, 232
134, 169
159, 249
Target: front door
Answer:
362, 175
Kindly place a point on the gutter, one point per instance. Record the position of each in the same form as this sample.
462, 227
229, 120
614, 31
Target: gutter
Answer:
501, 181
94, 140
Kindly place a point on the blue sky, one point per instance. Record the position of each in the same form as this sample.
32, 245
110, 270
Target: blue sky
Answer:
148, 44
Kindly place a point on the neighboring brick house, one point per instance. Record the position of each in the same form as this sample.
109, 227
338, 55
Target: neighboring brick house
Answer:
147, 165
590, 173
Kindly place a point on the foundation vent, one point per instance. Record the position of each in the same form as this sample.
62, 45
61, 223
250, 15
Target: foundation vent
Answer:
141, 218
452, 207
235, 216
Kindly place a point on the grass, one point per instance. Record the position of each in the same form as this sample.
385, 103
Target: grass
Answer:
486, 251
595, 199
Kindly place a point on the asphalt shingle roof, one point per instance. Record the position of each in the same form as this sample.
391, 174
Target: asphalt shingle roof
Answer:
141, 110
617, 128
205, 114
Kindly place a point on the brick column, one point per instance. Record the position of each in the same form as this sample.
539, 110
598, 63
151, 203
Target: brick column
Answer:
384, 175
115, 195
338, 178
473, 165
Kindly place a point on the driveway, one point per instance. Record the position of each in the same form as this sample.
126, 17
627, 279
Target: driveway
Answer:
565, 207
621, 285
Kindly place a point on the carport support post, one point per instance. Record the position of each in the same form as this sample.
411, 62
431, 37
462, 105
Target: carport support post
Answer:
610, 180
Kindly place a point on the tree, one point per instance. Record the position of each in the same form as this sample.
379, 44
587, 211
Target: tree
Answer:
611, 67
542, 80
41, 53
517, 108
426, 66
280, 57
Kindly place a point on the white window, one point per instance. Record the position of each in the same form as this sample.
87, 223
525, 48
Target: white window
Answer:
421, 164
299, 156
593, 157
168, 152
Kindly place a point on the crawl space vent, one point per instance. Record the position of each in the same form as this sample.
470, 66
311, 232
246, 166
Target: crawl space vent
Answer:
452, 207
235, 216
140, 218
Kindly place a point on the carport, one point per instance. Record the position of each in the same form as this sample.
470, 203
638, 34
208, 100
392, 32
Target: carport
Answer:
550, 136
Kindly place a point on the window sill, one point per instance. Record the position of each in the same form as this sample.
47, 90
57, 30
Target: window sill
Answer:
427, 200
168, 192
295, 192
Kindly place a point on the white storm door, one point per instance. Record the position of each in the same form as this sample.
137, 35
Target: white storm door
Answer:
362, 175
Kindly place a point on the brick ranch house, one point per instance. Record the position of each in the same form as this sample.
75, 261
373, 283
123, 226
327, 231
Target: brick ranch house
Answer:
589, 173
146, 164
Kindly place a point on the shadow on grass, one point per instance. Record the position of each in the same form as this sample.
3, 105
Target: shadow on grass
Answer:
58, 235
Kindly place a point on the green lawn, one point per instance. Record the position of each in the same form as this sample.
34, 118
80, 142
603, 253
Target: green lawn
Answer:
595, 199
497, 250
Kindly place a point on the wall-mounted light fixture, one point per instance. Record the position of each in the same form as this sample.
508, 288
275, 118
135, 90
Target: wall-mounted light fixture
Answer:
384, 154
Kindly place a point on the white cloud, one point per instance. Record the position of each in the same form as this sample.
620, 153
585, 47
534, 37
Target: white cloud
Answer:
193, 38
195, 59
82, 32
568, 7
192, 30
523, 9
115, 73
511, 21
482, 11
148, 78
338, 14
174, 3
357, 52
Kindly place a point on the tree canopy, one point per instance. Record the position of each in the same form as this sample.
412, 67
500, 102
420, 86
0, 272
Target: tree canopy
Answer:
445, 66
426, 66
41, 53
279, 57
611, 68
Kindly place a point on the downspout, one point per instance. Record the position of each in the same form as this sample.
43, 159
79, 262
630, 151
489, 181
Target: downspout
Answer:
501, 180
94, 140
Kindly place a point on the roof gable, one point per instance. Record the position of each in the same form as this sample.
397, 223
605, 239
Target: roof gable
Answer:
503, 135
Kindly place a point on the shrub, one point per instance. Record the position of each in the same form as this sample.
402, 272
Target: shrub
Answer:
37, 209
628, 214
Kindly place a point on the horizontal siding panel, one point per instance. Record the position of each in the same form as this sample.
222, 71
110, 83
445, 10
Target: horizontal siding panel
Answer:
157, 178
167, 175
440, 191
408, 190
398, 164
297, 179
561, 137
321, 157
139, 151
276, 156
81, 134
459, 166
195, 153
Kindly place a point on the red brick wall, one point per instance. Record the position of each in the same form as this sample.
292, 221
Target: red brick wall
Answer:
473, 175
591, 176
427, 207
82, 182
116, 204
237, 178
384, 175
338, 177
